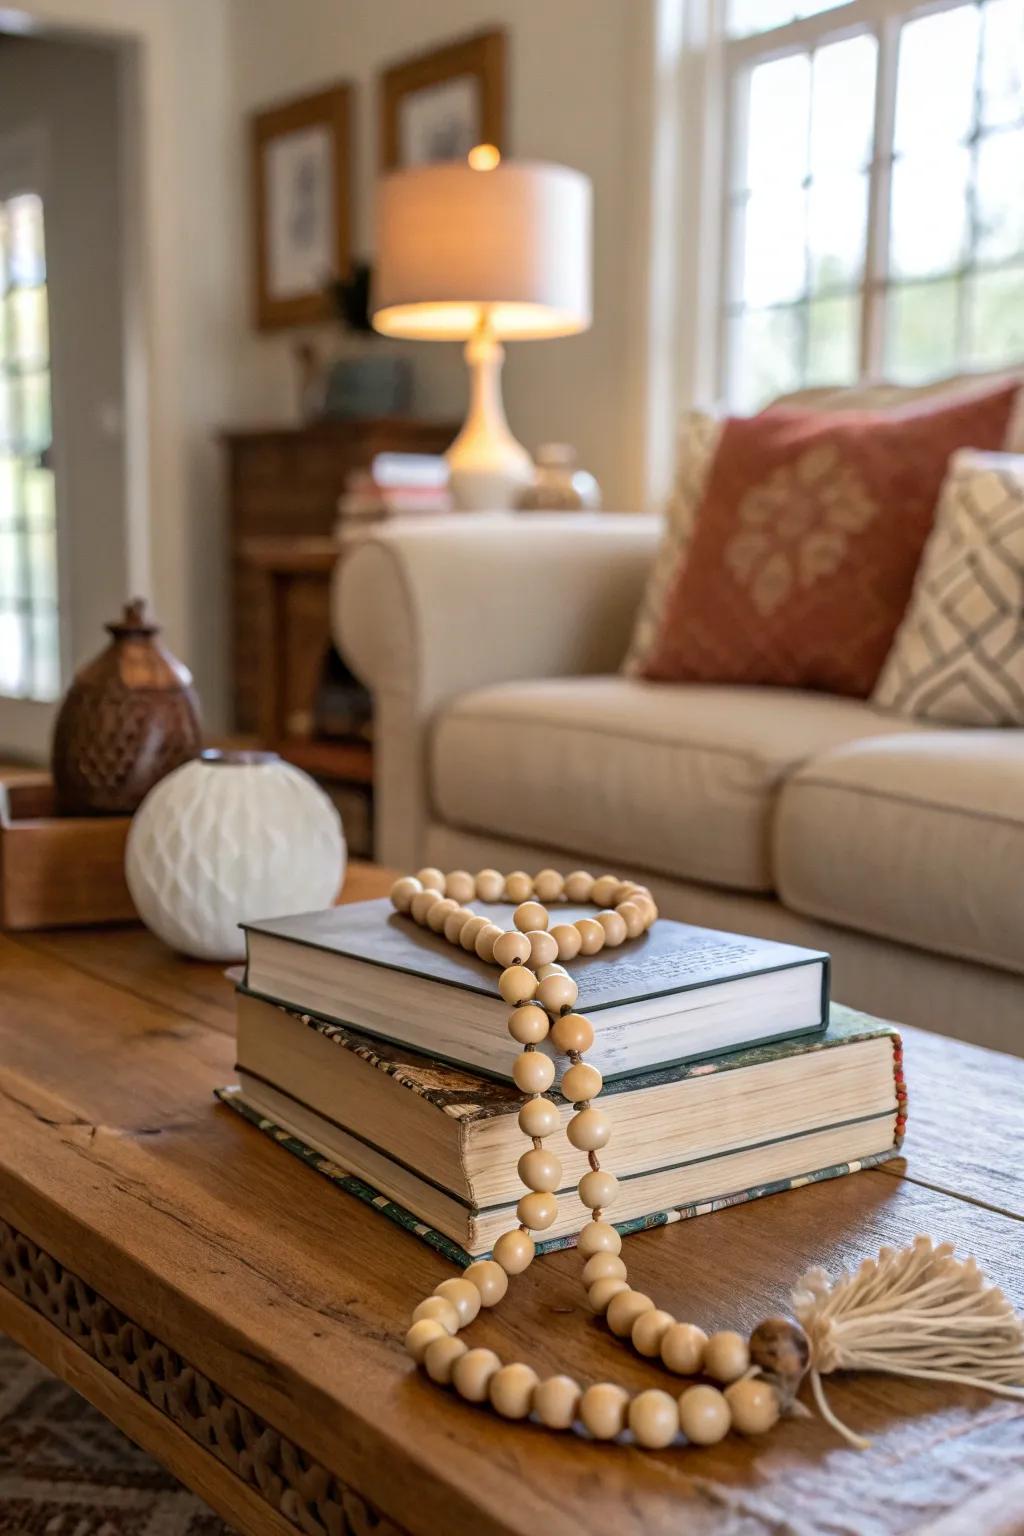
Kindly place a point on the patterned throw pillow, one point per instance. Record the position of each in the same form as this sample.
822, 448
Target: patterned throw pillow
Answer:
695, 449
959, 653
802, 560
697, 440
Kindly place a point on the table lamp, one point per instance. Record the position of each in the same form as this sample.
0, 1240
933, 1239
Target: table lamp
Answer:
483, 251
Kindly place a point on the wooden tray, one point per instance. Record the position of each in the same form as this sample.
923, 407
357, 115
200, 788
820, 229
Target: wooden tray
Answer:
58, 871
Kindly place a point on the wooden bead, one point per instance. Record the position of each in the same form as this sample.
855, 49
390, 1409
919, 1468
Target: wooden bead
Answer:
490, 885
518, 984
682, 1348
514, 1251
511, 947
463, 1295
440, 1356
486, 939
455, 922
578, 885
598, 1237
540, 1169
572, 1032
602, 1410
422, 903
543, 947
602, 1265
591, 935
539, 1117
556, 1402
433, 879
461, 885
624, 1309
598, 1189
490, 1280
472, 1372
533, 1072
518, 887
403, 891
704, 1416
589, 1130
528, 1024
510, 1390
468, 935
780, 1347
653, 1417
603, 890
551, 969
567, 937
557, 992
580, 1082
530, 916
422, 1333
440, 912
649, 1330
441, 1310
601, 1294
548, 885
726, 1356
615, 932
754, 1405
537, 1210
632, 917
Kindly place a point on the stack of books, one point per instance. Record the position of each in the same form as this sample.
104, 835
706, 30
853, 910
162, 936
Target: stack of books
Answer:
379, 1054
394, 485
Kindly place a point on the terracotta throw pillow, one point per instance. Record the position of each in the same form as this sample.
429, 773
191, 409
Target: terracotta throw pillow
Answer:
807, 541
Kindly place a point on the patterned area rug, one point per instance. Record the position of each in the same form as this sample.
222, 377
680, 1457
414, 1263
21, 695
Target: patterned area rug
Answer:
64, 1471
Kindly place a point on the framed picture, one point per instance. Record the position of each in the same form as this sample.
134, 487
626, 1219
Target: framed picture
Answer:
438, 105
301, 196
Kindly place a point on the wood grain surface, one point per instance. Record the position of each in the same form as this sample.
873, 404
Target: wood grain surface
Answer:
115, 1159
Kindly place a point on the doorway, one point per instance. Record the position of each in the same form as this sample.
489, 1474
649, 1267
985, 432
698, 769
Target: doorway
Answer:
63, 563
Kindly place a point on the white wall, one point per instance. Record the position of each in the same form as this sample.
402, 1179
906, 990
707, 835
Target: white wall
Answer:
570, 79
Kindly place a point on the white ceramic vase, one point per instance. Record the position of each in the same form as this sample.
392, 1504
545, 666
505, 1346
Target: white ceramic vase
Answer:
229, 838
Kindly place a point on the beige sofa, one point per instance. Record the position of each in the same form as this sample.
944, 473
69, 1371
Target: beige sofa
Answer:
506, 736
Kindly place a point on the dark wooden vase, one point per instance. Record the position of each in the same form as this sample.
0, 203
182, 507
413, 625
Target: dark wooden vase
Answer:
130, 716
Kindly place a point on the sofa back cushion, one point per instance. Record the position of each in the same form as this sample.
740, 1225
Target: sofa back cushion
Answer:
806, 543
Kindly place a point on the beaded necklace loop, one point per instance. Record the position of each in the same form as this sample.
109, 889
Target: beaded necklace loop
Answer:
756, 1380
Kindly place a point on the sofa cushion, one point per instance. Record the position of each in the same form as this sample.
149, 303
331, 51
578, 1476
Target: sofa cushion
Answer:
918, 837
678, 779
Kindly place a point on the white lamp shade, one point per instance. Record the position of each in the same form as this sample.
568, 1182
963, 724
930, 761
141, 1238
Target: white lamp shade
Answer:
453, 242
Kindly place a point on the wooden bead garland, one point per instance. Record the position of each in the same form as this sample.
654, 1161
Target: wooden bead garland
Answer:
542, 996
757, 1378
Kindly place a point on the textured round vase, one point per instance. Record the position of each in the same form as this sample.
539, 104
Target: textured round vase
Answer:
230, 838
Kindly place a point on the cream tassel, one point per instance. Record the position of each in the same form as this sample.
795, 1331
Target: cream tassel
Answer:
915, 1311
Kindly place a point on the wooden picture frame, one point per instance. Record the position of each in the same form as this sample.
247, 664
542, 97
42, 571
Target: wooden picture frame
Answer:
477, 61
301, 200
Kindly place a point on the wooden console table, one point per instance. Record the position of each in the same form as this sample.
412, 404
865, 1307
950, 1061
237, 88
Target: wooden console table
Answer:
242, 1319
284, 485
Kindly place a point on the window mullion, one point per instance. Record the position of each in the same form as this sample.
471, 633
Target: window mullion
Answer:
876, 259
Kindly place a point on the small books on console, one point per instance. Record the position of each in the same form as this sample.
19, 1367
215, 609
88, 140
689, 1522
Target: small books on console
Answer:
677, 993
442, 1144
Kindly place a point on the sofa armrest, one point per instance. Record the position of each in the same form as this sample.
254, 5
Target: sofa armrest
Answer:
424, 611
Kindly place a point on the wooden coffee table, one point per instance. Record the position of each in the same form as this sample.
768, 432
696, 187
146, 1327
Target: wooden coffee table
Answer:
242, 1319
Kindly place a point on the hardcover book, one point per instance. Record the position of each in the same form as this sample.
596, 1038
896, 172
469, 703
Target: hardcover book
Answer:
678, 993
441, 1145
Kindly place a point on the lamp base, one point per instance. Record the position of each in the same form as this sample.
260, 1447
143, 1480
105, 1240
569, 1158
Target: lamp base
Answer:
489, 469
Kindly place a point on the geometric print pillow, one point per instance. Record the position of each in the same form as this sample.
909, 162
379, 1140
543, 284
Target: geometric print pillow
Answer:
958, 655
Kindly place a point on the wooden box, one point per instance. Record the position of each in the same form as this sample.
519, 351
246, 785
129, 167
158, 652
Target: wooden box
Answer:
58, 871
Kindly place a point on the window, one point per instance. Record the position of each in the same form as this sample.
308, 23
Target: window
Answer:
874, 210
29, 666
